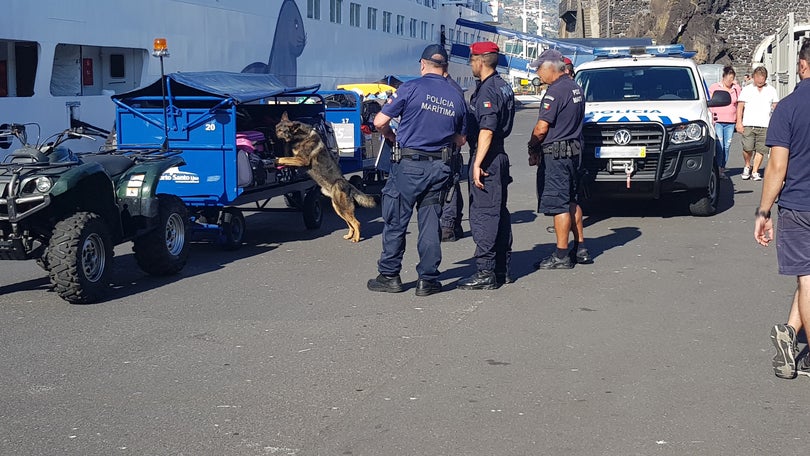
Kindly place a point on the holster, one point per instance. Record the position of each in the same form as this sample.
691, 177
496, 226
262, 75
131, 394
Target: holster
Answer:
560, 149
455, 163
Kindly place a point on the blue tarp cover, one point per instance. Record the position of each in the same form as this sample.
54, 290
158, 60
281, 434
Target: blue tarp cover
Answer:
241, 87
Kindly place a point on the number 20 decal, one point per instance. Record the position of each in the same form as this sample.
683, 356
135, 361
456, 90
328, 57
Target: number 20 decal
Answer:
211, 126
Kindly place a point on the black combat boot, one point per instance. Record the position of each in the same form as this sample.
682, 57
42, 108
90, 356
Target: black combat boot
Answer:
481, 280
425, 287
388, 284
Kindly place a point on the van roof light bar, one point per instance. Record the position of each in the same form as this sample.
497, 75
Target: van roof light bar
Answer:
670, 50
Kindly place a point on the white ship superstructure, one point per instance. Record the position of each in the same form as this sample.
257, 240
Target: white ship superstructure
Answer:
58, 58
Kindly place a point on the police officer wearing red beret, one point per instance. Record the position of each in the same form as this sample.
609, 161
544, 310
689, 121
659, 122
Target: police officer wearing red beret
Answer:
492, 114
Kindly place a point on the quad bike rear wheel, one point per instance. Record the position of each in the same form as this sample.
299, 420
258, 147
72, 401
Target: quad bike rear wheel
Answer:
79, 258
164, 250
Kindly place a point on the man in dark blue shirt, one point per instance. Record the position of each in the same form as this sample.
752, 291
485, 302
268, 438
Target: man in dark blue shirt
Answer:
787, 177
432, 118
492, 114
555, 145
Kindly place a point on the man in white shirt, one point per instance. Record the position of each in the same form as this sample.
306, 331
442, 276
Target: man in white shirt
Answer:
754, 108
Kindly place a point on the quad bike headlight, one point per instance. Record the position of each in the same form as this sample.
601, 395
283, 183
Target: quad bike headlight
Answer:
43, 184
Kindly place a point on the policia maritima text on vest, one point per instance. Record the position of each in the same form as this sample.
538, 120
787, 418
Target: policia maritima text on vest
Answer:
432, 119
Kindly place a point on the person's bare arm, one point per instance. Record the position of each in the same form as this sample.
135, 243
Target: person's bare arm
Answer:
775, 173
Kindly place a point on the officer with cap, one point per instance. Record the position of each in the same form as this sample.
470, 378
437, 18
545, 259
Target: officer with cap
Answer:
492, 114
432, 119
555, 145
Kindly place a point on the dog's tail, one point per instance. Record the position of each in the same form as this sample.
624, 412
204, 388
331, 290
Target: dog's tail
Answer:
361, 198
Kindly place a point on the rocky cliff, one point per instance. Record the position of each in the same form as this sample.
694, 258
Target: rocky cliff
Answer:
721, 31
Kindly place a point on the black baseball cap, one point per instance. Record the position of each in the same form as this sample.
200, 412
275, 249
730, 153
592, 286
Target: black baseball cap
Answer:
432, 51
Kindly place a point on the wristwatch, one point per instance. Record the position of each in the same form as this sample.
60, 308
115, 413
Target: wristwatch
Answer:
763, 214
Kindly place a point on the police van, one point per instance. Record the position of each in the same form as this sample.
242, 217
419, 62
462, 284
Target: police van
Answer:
648, 129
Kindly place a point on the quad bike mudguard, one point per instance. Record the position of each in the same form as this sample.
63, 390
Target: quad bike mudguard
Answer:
137, 187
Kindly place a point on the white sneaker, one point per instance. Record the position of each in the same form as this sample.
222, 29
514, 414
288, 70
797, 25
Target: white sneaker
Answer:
746, 174
756, 176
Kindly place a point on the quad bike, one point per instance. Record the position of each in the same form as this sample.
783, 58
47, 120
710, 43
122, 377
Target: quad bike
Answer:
67, 211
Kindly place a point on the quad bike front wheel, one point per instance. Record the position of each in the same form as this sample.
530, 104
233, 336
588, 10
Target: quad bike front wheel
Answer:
164, 250
79, 258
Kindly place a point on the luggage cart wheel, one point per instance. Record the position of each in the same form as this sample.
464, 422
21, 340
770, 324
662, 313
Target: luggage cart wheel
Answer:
358, 182
233, 228
313, 211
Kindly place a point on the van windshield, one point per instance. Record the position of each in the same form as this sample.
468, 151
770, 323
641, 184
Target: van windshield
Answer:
640, 83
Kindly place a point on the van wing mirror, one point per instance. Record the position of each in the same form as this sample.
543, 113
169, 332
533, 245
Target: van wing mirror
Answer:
720, 98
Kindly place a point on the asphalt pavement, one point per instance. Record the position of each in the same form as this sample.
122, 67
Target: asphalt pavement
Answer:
658, 348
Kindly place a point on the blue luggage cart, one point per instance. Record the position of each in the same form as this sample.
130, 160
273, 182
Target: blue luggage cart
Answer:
223, 124
358, 147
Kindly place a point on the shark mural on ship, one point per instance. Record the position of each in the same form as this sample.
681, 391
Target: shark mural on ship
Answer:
288, 44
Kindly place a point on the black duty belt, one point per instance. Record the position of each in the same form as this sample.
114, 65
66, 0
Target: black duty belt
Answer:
415, 154
560, 149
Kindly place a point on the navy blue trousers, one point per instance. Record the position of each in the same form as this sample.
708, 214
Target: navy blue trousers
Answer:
413, 183
453, 210
490, 221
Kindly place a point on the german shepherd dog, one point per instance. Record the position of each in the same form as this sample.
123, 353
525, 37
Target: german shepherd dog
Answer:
308, 150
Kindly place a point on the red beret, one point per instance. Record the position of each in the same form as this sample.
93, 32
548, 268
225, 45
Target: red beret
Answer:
567, 61
483, 47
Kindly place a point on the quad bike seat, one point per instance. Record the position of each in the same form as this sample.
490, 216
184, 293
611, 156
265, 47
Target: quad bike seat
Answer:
112, 164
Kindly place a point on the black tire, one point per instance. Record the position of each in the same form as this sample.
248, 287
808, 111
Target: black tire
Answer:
313, 210
43, 261
233, 228
703, 203
357, 182
80, 258
294, 200
164, 250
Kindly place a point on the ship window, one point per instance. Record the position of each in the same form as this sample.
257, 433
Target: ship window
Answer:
412, 28
424, 30
372, 18
18, 68
314, 9
335, 13
386, 22
117, 66
354, 14
400, 24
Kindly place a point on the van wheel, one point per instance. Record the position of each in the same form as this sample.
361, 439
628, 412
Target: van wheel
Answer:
313, 210
164, 250
233, 228
703, 203
80, 258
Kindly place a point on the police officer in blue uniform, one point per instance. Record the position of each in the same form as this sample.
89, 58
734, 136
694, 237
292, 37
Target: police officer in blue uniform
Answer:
555, 145
432, 117
492, 114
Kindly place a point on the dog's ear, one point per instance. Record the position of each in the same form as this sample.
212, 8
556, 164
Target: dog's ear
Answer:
284, 117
